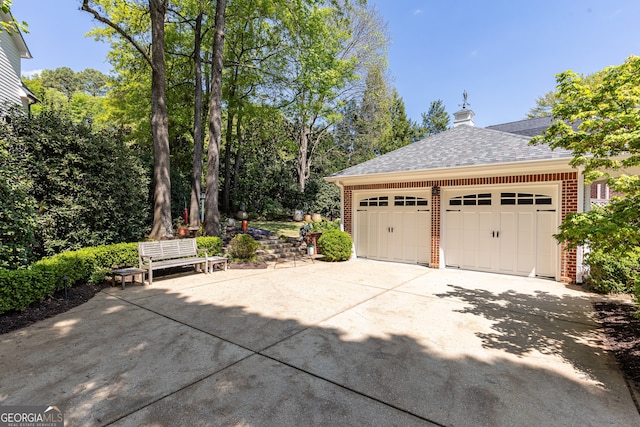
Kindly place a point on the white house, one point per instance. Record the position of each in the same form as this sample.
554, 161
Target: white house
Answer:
469, 198
12, 50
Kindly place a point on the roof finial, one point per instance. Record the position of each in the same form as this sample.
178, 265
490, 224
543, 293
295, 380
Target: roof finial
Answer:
465, 102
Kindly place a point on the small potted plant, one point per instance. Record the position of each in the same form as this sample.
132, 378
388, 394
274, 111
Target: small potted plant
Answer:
182, 230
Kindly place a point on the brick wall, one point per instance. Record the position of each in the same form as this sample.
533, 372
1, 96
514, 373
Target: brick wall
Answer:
569, 203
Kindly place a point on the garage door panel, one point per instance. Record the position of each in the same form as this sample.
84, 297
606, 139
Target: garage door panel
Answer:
453, 238
384, 227
526, 243
485, 239
508, 228
547, 247
423, 236
469, 241
362, 247
408, 237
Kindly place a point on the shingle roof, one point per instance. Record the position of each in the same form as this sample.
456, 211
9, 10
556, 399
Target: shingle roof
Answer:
527, 127
461, 146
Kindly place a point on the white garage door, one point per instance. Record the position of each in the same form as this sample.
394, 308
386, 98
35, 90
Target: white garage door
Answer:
509, 231
395, 227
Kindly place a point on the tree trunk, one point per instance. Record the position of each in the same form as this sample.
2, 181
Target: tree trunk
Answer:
162, 226
237, 160
226, 196
215, 124
198, 139
302, 166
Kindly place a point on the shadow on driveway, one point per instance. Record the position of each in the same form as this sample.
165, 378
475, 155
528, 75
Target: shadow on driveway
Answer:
315, 346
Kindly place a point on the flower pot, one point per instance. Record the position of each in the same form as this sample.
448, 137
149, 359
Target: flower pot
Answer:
316, 217
307, 218
310, 250
183, 231
298, 215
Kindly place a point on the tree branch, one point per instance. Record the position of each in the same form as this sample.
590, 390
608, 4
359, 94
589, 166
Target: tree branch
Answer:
87, 8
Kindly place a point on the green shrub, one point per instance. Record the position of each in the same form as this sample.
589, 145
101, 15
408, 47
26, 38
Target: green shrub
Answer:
19, 288
612, 273
335, 245
243, 248
322, 226
209, 244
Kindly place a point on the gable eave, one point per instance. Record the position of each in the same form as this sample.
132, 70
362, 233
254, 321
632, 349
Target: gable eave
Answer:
500, 169
17, 37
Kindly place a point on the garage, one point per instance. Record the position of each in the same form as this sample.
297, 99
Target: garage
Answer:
495, 201
508, 230
394, 227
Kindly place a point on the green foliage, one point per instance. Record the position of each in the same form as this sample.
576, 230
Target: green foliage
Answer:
90, 188
609, 273
323, 226
436, 119
81, 95
19, 288
17, 211
243, 247
598, 119
12, 26
210, 244
335, 245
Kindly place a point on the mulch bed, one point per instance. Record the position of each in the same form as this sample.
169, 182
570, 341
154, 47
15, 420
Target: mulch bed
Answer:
621, 326
56, 304
247, 265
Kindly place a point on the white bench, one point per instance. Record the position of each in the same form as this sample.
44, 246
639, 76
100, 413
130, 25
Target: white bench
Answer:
174, 253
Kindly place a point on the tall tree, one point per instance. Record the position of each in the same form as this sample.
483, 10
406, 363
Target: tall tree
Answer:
212, 214
598, 119
545, 103
162, 224
436, 119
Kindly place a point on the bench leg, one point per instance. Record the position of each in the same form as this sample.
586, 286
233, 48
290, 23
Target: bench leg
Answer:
150, 277
124, 277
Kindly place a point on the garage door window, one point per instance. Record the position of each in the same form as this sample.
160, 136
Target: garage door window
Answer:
481, 199
525, 199
375, 201
409, 201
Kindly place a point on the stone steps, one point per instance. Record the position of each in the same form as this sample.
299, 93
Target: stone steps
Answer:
277, 249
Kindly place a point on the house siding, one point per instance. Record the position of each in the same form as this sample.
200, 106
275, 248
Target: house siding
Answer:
569, 204
10, 83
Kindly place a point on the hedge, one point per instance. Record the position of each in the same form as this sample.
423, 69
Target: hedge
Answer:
19, 288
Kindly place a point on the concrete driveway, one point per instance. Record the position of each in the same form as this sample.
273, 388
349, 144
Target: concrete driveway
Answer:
356, 343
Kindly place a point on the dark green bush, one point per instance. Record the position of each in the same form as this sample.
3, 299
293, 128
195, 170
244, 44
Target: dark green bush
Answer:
613, 273
335, 245
88, 185
243, 248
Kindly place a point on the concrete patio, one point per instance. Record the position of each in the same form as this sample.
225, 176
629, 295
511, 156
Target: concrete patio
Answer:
356, 343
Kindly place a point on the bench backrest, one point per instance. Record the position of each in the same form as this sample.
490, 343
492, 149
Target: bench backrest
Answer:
168, 249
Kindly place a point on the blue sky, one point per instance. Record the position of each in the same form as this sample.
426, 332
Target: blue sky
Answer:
504, 53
